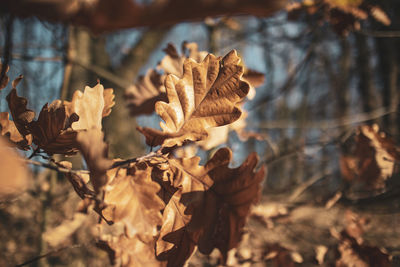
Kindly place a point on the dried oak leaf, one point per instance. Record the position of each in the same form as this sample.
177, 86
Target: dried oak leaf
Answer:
206, 96
22, 116
131, 198
52, 130
129, 251
343, 15
227, 203
94, 151
14, 175
172, 63
371, 161
210, 207
90, 106
352, 250
142, 96
175, 243
4, 81
8, 130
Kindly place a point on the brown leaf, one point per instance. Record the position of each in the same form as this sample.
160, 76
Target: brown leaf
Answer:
254, 78
132, 199
51, 131
209, 208
6, 79
142, 96
129, 251
8, 130
14, 175
352, 250
227, 203
176, 243
94, 150
22, 116
172, 63
343, 15
371, 161
205, 97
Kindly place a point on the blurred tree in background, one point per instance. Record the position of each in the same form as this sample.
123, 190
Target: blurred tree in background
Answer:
331, 72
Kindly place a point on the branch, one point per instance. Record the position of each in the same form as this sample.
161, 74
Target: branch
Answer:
35, 259
330, 124
110, 15
55, 168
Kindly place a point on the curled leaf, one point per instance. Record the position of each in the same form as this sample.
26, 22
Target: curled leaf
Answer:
22, 116
142, 96
52, 132
8, 130
205, 97
94, 150
370, 161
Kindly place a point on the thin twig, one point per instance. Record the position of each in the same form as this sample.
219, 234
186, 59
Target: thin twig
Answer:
303, 186
101, 72
329, 124
48, 254
55, 168
381, 34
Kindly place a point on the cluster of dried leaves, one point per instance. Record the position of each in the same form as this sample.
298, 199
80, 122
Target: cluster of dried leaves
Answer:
159, 208
343, 15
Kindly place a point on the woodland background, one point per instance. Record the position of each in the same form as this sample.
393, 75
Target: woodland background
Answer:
329, 68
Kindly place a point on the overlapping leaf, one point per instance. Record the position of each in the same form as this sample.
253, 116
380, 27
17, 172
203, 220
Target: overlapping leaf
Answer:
142, 96
57, 126
205, 97
210, 207
94, 150
129, 252
8, 130
52, 132
343, 15
22, 116
131, 198
371, 160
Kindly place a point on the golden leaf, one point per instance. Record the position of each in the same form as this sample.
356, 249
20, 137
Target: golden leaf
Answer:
129, 251
205, 97
132, 199
108, 95
94, 150
8, 130
89, 106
